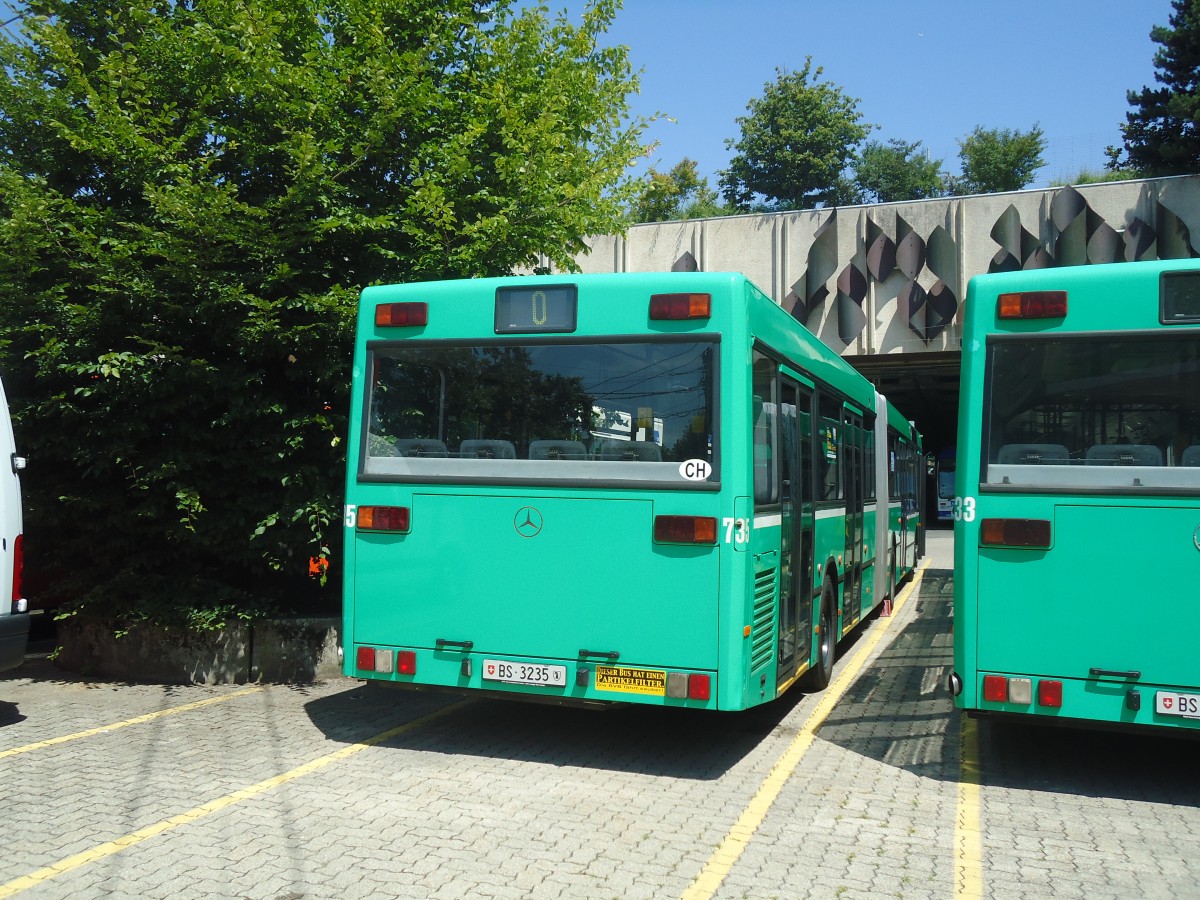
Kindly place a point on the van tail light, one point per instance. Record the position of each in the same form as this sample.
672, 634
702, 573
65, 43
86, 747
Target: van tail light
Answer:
390, 315
685, 529
1032, 305
680, 306
1015, 533
384, 518
18, 587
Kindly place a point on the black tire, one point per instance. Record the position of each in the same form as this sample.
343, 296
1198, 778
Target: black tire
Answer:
818, 677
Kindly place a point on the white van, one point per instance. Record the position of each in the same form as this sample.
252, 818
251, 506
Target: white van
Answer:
14, 609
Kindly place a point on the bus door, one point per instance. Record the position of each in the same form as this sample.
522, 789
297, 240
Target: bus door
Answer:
853, 459
796, 537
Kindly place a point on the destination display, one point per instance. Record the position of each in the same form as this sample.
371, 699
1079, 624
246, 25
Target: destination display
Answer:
546, 309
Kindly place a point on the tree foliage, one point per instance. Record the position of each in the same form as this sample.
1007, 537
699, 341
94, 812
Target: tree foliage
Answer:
1162, 130
681, 193
999, 159
191, 195
897, 171
795, 144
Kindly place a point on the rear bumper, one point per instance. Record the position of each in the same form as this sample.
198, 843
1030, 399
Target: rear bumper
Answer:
14, 638
587, 682
1093, 701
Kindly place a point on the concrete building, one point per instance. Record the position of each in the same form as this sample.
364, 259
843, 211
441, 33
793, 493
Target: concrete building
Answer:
884, 285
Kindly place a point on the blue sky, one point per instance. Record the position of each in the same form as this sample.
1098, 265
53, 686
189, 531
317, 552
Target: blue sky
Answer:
923, 70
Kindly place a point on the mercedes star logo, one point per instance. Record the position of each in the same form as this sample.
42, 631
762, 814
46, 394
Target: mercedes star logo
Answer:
528, 522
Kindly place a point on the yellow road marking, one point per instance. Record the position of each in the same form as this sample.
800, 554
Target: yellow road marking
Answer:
137, 720
193, 815
968, 851
721, 862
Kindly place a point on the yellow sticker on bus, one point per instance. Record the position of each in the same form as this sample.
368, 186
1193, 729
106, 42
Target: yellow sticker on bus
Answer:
631, 681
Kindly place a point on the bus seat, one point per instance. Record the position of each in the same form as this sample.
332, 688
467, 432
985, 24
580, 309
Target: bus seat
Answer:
557, 450
420, 447
1034, 455
645, 451
1124, 455
487, 449
1191, 456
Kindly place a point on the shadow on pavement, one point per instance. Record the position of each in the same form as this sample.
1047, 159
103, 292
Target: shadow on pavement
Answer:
670, 742
900, 713
10, 714
666, 742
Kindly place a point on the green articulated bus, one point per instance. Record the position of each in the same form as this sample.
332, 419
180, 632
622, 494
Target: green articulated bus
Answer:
1077, 515
631, 488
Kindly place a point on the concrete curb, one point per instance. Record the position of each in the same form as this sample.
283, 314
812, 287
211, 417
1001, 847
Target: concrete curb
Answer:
272, 650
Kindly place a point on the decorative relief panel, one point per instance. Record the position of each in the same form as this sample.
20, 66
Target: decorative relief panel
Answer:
839, 270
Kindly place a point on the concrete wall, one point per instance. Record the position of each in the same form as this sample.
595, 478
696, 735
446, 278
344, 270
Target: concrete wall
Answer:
269, 650
890, 279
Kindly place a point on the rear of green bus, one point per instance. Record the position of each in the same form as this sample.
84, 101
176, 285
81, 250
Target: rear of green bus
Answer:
1077, 515
540, 501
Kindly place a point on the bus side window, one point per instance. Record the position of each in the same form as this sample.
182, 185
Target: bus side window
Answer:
763, 410
828, 448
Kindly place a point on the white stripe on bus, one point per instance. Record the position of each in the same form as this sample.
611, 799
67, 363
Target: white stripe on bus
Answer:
774, 520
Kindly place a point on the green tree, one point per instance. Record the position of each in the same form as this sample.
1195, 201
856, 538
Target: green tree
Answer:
681, 193
795, 144
896, 171
1162, 130
999, 159
191, 196
1095, 176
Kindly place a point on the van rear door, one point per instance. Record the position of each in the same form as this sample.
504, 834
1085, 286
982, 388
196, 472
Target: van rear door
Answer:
14, 618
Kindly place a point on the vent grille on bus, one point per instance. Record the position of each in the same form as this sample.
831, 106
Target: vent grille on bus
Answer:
762, 631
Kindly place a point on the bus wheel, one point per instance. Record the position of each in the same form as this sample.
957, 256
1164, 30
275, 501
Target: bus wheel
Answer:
817, 678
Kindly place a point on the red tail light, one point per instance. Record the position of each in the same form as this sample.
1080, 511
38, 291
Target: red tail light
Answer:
681, 306
400, 314
1015, 533
375, 659
685, 529
406, 662
384, 518
995, 688
1032, 305
1050, 694
699, 687
18, 590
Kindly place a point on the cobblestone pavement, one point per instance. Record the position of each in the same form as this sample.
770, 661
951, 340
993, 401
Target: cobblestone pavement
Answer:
342, 790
